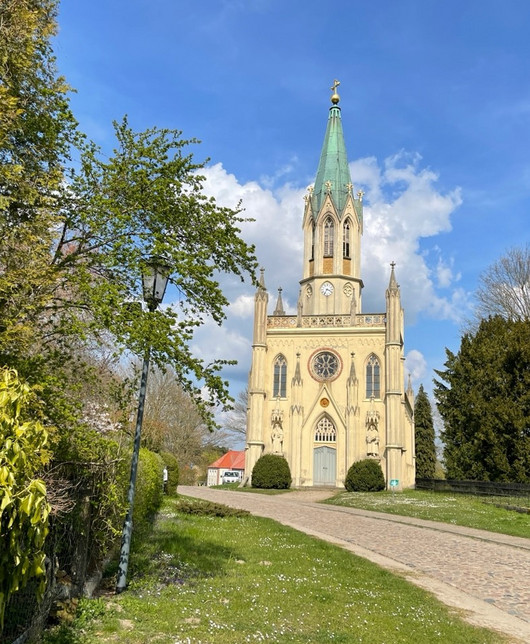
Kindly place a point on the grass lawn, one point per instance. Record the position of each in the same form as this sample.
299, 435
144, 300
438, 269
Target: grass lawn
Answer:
203, 578
458, 509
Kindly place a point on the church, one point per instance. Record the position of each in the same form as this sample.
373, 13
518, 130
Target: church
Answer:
327, 385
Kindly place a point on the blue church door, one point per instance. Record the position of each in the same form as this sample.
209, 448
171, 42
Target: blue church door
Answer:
324, 465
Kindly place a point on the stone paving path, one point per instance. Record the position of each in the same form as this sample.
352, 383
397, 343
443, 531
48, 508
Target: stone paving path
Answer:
485, 574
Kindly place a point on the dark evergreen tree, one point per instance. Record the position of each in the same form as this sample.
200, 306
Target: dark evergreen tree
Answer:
424, 437
484, 399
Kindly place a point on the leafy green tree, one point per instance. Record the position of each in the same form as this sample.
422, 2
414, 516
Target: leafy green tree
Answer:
23, 505
73, 241
483, 396
424, 437
37, 130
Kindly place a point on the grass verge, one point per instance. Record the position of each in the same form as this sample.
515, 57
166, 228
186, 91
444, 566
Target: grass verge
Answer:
202, 578
495, 514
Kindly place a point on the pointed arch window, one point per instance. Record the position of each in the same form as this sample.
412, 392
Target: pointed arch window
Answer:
329, 235
279, 385
325, 431
313, 241
373, 378
346, 239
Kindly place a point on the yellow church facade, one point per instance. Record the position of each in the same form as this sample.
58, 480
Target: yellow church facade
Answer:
327, 385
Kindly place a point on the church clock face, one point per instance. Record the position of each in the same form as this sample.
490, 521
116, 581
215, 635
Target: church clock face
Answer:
325, 365
326, 288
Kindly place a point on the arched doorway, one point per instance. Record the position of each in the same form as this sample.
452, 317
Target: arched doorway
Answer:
325, 456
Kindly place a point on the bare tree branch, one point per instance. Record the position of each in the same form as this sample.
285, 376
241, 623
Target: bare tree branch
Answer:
504, 287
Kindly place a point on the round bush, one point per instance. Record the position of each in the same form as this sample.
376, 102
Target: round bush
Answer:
172, 465
271, 472
365, 476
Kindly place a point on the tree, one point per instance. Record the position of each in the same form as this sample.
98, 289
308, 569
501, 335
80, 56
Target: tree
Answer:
236, 419
424, 437
483, 396
504, 287
74, 239
172, 422
37, 130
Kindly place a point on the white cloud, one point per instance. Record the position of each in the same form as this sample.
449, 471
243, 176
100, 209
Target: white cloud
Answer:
402, 207
243, 307
415, 365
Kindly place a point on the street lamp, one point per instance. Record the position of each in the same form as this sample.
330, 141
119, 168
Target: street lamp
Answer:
154, 281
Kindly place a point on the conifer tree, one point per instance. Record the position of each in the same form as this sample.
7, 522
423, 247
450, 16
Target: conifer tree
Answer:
424, 437
483, 397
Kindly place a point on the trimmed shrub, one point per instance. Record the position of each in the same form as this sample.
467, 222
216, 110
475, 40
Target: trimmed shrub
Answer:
365, 476
149, 488
271, 472
208, 509
172, 471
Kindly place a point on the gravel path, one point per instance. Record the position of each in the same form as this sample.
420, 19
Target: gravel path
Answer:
485, 574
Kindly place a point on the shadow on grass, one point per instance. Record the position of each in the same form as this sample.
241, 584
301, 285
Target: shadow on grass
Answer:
173, 551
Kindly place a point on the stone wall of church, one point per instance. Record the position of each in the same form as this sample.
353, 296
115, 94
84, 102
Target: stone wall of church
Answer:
341, 410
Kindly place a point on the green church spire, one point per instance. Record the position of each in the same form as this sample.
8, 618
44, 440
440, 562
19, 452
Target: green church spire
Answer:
333, 174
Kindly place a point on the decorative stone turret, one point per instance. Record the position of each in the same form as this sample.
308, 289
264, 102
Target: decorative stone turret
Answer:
394, 381
256, 386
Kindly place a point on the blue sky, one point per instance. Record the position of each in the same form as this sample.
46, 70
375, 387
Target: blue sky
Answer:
435, 100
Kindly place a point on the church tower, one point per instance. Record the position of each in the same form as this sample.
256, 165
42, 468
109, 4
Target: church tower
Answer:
326, 386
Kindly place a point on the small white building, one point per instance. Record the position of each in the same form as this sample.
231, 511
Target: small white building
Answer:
232, 460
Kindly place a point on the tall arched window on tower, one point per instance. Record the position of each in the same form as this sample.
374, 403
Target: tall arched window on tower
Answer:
373, 377
279, 385
329, 230
313, 241
346, 229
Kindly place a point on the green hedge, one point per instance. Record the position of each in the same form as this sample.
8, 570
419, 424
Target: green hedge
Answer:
271, 472
149, 488
172, 470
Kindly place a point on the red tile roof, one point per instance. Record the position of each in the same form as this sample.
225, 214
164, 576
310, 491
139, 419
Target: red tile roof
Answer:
232, 460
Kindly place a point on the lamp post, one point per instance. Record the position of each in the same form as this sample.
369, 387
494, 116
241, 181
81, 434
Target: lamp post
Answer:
154, 281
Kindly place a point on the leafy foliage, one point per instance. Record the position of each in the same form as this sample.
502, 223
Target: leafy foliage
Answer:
149, 487
23, 506
483, 396
424, 437
365, 476
36, 131
271, 471
74, 238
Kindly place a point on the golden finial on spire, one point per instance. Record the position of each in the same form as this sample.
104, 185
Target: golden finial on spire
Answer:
335, 98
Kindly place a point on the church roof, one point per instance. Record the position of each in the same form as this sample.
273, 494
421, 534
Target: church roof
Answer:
333, 172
